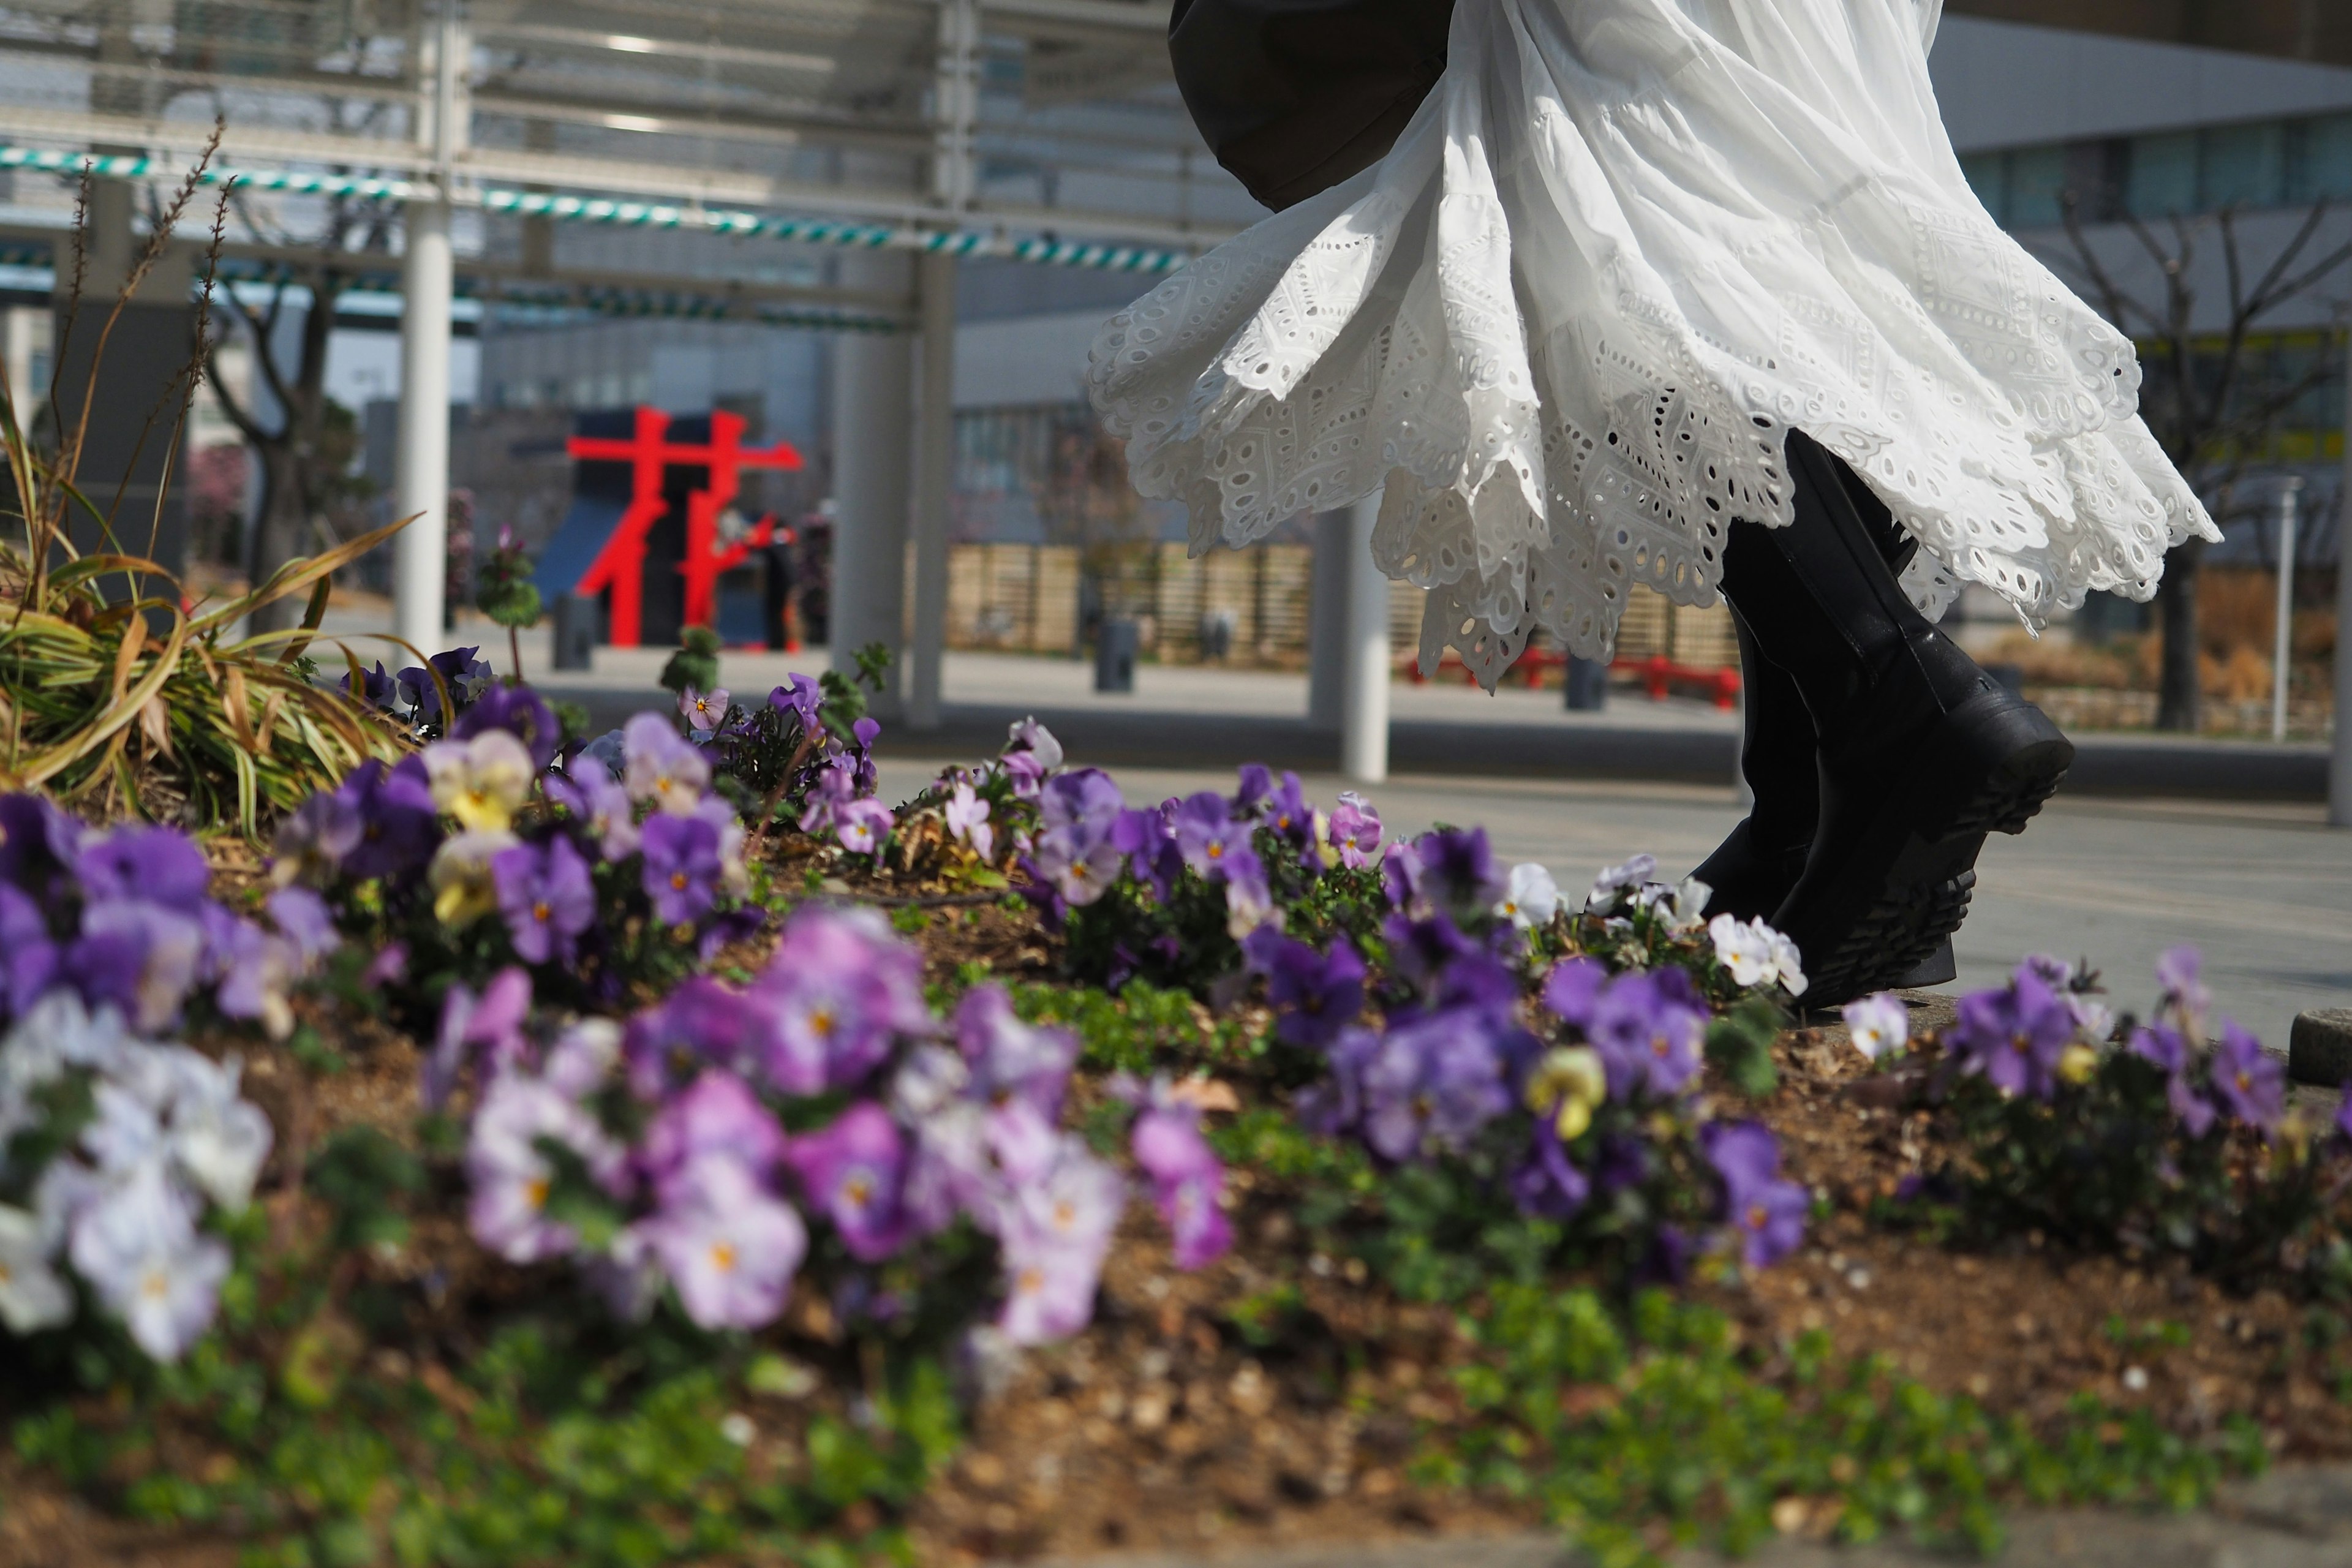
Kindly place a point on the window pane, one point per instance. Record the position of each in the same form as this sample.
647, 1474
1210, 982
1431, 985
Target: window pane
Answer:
2163, 176
2327, 159
2037, 176
2243, 165
1983, 171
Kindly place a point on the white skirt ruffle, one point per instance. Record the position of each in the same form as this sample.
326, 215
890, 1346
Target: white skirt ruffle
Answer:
1625, 247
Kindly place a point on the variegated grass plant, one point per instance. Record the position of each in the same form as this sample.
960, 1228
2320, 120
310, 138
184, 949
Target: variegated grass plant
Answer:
115, 696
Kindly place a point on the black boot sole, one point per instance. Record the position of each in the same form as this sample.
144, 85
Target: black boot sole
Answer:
1940, 967
1904, 883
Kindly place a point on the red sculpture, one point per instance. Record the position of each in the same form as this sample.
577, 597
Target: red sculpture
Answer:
619, 564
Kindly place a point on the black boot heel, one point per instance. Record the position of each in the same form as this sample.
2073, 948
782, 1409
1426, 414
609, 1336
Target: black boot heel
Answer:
1993, 761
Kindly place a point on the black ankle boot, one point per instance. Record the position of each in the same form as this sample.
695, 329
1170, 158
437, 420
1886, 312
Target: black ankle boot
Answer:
1921, 753
1752, 870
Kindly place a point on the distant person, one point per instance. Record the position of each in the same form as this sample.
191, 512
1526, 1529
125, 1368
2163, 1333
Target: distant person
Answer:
776, 592
812, 571
1618, 292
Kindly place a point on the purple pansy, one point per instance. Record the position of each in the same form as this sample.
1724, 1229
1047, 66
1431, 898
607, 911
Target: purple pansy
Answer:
1432, 1083
838, 991
600, 805
680, 866
730, 1246
28, 958
703, 710
2248, 1079
1765, 1212
1077, 813
1648, 1032
519, 711
547, 898
1315, 996
1290, 815
801, 697
155, 865
853, 1171
313, 843
1355, 830
142, 956
702, 1020
1572, 990
2164, 1046
1006, 1058
1547, 1186
492, 1021
398, 830
1458, 872
1187, 1179
2015, 1036
1209, 836
376, 687
863, 826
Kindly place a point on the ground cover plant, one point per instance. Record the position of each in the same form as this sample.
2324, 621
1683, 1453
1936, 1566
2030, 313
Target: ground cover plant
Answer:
653, 1147
117, 692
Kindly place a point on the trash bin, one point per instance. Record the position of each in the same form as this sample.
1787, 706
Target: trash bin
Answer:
1216, 634
575, 631
1588, 685
1115, 650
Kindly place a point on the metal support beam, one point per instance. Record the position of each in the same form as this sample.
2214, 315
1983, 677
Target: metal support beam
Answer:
1364, 706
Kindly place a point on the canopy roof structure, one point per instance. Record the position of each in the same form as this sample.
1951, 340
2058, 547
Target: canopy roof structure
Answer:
1043, 129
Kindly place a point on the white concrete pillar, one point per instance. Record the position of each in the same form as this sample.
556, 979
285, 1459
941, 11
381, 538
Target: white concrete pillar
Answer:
873, 386
1327, 621
420, 556
2340, 770
421, 476
1364, 702
934, 484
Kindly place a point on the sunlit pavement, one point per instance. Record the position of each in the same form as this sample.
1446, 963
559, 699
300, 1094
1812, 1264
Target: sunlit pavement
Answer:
2265, 891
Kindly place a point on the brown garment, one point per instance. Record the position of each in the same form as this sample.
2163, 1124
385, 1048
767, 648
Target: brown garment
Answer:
1295, 96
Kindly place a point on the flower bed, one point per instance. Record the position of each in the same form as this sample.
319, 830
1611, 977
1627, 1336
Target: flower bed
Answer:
652, 1147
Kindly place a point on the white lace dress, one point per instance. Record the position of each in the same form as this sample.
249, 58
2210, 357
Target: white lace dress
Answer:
1625, 247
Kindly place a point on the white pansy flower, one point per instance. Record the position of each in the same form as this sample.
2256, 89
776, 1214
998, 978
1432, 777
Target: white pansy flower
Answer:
1879, 1026
139, 1249
1531, 898
1755, 955
1686, 907
1613, 879
1787, 959
1745, 948
219, 1139
32, 1296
